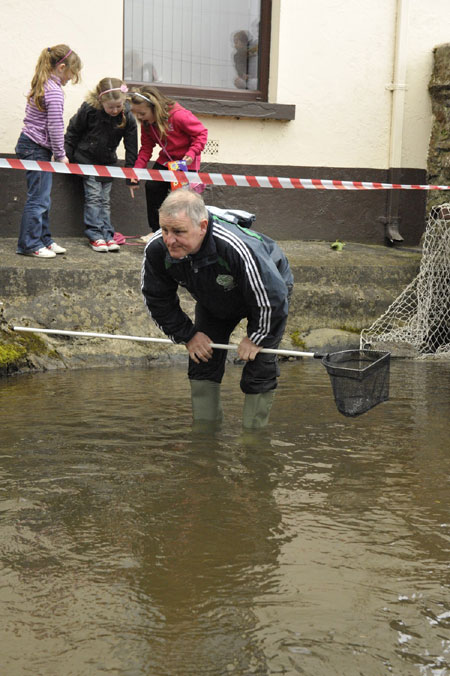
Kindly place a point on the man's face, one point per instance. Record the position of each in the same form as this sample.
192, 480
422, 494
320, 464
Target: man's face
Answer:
180, 235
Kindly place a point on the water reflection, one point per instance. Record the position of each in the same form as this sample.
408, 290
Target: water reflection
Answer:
131, 544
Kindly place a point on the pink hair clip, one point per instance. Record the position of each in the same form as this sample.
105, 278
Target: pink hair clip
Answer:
123, 88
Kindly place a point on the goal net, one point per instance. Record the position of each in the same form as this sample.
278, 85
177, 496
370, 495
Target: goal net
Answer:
419, 319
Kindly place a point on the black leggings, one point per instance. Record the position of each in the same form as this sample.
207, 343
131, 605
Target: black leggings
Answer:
258, 376
155, 194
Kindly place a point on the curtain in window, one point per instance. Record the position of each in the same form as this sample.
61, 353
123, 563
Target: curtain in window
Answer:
198, 43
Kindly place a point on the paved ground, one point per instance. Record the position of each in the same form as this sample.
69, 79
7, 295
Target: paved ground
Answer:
301, 255
79, 255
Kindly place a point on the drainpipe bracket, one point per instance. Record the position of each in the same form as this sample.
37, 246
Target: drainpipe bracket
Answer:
391, 231
393, 86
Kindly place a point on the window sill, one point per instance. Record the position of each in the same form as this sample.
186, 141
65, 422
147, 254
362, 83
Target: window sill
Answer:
251, 109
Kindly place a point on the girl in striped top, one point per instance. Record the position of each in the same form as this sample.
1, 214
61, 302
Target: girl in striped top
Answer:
41, 138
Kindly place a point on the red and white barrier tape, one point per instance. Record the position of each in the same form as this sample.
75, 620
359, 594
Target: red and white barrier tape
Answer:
235, 180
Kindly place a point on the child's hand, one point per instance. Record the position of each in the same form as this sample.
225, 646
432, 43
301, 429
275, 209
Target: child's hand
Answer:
188, 159
134, 186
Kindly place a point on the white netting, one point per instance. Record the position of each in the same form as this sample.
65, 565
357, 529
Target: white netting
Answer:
420, 317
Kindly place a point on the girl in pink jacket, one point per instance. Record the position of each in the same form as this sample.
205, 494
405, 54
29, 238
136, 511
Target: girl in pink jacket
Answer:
179, 134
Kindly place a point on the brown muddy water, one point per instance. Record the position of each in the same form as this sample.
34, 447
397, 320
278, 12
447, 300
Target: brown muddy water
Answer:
132, 545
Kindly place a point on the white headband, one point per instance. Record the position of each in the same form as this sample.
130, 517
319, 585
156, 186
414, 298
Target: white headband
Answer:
142, 97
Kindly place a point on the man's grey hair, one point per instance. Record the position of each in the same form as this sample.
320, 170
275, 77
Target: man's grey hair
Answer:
187, 202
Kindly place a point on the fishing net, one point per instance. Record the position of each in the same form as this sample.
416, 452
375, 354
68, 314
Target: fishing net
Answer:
420, 317
359, 378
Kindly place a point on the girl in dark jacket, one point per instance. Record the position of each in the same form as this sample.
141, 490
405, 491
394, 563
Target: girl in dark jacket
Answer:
92, 137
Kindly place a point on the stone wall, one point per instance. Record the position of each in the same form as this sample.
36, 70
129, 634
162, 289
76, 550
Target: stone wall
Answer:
336, 294
439, 149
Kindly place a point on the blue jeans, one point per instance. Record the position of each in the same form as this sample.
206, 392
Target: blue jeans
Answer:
97, 211
34, 227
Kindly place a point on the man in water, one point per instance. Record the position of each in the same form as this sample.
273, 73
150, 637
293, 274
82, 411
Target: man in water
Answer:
232, 273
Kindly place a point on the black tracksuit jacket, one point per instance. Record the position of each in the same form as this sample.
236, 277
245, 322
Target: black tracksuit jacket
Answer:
236, 273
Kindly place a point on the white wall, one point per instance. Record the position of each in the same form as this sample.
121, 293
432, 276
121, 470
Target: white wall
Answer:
334, 61
330, 58
93, 28
428, 26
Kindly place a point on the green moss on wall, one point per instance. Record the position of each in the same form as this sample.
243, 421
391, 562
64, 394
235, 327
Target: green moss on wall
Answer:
11, 354
32, 343
350, 329
16, 348
297, 341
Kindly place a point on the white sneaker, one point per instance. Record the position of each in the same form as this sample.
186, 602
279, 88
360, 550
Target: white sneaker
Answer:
41, 253
98, 245
112, 245
56, 248
146, 238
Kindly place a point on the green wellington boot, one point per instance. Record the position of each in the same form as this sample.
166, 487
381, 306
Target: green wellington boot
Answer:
257, 409
205, 396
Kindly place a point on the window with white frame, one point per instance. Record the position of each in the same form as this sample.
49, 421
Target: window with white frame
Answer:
206, 48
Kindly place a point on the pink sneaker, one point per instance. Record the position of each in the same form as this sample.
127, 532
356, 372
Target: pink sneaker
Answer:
98, 245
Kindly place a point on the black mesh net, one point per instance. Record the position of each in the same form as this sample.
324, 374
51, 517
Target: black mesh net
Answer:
360, 379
